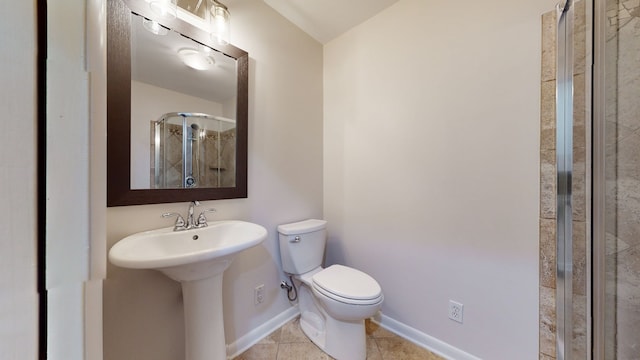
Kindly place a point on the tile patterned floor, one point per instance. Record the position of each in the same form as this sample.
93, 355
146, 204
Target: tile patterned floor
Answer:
290, 343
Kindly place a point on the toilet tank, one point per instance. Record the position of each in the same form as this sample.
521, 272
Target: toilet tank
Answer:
302, 245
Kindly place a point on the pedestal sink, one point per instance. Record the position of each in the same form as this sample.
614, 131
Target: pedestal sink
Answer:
196, 258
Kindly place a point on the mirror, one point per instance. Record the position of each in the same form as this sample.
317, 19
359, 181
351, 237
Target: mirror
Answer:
176, 111
191, 150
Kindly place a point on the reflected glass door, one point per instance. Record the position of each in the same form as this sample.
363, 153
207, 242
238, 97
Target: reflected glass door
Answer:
190, 150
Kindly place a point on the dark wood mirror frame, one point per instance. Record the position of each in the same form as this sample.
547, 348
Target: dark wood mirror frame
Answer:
119, 191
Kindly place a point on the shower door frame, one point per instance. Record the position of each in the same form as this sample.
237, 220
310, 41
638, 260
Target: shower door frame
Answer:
564, 166
598, 243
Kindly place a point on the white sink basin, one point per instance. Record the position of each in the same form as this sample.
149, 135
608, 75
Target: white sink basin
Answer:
197, 259
190, 254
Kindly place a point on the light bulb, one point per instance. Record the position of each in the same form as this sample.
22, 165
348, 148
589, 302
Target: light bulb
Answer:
167, 9
219, 23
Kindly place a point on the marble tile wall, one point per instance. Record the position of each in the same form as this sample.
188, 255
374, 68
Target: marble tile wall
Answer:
547, 311
227, 158
218, 164
580, 189
214, 159
622, 181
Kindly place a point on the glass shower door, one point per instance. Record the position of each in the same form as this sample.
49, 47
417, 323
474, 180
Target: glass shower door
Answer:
617, 181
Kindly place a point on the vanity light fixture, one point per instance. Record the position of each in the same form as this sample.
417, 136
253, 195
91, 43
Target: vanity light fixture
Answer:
219, 22
167, 9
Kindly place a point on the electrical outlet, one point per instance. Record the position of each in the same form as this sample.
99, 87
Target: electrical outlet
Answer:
258, 294
455, 311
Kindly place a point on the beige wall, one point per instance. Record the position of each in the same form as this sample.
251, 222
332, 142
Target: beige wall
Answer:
18, 292
431, 135
143, 309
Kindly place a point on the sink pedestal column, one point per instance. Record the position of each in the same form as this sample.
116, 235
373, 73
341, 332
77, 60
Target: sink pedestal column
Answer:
196, 258
203, 316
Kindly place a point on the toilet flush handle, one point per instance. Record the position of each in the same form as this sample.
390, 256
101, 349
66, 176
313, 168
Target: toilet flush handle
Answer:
295, 240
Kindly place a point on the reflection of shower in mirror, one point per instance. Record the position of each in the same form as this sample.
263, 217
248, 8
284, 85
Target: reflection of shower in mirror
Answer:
192, 150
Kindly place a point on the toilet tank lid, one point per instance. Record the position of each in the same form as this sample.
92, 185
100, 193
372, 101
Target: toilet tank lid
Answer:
302, 227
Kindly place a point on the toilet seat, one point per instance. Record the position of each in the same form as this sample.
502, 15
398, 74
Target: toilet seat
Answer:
347, 285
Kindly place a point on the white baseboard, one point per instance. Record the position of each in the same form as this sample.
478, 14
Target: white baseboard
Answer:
405, 331
262, 331
421, 339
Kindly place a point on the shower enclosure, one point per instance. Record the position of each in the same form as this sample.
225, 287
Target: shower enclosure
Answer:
616, 149
192, 150
590, 181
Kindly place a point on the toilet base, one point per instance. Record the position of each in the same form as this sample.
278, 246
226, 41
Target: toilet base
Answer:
336, 328
343, 340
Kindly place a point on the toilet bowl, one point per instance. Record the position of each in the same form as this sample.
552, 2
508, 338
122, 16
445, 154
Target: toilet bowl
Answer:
346, 293
333, 301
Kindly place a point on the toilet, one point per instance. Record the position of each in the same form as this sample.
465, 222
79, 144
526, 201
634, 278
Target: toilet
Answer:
333, 302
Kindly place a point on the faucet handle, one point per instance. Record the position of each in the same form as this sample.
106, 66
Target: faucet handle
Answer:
202, 219
179, 224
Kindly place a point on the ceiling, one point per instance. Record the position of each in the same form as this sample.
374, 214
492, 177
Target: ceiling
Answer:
155, 60
325, 20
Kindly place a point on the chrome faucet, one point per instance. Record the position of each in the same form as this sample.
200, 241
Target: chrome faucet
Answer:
202, 219
180, 224
190, 222
199, 222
